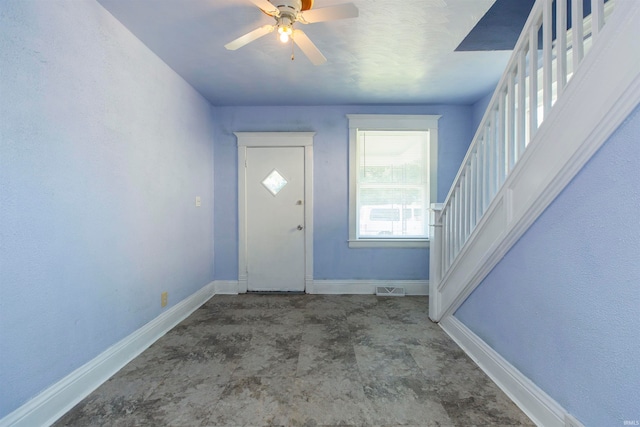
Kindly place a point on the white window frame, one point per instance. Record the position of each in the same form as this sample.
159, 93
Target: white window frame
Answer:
389, 122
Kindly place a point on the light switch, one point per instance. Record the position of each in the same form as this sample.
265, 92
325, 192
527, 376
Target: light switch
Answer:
198, 202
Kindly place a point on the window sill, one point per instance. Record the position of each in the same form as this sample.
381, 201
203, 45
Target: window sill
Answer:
389, 243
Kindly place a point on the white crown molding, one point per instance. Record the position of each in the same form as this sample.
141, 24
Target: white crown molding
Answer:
53, 402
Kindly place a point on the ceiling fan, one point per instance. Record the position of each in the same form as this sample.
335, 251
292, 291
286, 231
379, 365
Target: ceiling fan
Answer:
288, 12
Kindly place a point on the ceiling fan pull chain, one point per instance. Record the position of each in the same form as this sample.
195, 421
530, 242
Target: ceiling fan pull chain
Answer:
292, 52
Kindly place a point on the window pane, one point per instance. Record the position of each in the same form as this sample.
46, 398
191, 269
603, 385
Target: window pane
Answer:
392, 184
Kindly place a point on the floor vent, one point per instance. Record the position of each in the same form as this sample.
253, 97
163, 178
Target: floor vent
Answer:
389, 291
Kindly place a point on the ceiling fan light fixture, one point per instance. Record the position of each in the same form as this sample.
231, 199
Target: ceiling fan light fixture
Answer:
285, 29
284, 37
286, 13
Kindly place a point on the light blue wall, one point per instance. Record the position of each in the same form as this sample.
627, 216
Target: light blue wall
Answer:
478, 109
332, 257
103, 149
563, 306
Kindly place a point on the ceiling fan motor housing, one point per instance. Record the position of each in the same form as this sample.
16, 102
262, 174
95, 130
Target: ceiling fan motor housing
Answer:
289, 8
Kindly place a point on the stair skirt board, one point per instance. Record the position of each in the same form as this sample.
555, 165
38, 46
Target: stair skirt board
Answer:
53, 402
535, 403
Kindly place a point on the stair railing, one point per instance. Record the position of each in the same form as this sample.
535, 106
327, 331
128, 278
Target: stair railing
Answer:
550, 49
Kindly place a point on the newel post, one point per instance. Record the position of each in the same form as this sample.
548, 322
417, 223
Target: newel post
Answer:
435, 259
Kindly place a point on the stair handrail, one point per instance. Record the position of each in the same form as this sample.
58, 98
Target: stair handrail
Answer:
516, 110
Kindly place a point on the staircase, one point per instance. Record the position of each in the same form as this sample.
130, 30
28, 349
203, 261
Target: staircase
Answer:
571, 81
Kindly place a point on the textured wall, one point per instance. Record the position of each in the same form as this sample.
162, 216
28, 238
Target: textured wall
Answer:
478, 110
102, 151
563, 306
332, 257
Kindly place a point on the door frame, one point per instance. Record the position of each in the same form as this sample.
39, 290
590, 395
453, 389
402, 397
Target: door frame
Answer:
274, 139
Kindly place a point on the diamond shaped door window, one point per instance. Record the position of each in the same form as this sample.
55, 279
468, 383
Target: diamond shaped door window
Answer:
274, 182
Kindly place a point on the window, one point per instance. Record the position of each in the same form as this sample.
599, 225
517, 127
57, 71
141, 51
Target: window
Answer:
392, 173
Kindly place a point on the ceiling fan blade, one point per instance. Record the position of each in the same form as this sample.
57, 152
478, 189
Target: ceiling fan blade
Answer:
268, 7
249, 37
308, 48
341, 11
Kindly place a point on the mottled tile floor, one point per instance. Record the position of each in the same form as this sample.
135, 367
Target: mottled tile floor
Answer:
301, 360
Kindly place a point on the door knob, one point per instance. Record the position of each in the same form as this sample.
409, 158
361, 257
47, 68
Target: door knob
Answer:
300, 227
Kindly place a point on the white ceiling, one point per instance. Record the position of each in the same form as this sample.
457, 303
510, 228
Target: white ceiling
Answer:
395, 52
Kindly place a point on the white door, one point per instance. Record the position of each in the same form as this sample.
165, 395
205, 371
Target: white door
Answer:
275, 218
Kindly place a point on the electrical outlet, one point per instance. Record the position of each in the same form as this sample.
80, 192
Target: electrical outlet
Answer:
198, 201
571, 421
163, 299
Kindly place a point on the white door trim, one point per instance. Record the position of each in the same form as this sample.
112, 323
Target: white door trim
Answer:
274, 139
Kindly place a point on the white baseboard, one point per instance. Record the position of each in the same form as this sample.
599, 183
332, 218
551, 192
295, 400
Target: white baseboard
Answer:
367, 287
535, 403
55, 401
337, 287
226, 287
